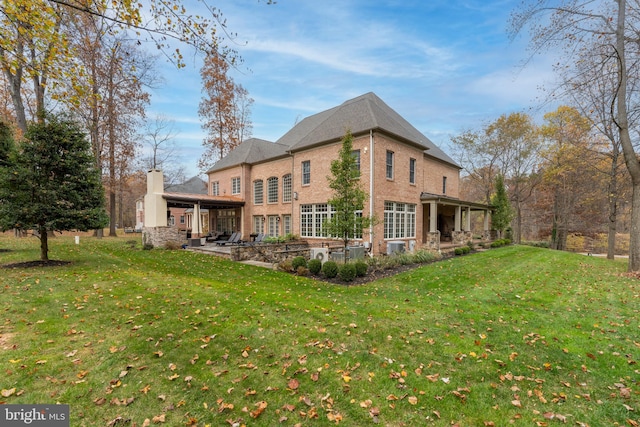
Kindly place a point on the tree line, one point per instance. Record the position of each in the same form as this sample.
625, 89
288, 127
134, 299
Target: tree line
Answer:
561, 176
91, 61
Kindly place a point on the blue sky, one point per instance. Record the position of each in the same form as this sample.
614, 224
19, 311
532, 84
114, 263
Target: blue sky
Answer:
445, 66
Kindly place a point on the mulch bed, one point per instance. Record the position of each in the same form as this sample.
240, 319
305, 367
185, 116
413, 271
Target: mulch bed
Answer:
36, 264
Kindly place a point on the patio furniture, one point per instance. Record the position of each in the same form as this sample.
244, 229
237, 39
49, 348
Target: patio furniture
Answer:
231, 238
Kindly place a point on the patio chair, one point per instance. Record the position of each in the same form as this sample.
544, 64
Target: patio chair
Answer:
258, 239
235, 235
234, 240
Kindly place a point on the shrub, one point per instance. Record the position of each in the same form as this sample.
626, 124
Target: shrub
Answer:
286, 265
466, 249
298, 261
361, 268
302, 270
458, 251
314, 265
422, 256
347, 272
147, 246
172, 245
404, 259
330, 269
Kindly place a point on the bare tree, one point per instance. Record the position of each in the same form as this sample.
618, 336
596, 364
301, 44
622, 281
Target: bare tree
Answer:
578, 26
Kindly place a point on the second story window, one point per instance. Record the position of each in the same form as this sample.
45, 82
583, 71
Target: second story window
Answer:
444, 185
412, 171
389, 164
258, 192
286, 188
306, 172
235, 185
356, 157
272, 190
215, 188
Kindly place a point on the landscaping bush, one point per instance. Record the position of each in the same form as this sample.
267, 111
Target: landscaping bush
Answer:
458, 251
172, 245
361, 268
314, 265
347, 272
302, 270
466, 249
286, 265
147, 246
298, 261
422, 256
330, 269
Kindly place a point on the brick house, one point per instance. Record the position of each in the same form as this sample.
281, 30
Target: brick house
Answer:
281, 188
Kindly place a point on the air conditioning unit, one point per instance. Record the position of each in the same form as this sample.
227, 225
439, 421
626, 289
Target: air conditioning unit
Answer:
356, 252
320, 253
337, 257
395, 247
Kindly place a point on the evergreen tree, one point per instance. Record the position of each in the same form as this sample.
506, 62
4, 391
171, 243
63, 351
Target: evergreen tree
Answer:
51, 183
348, 196
503, 213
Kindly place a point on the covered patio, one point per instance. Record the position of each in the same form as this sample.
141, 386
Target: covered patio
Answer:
447, 219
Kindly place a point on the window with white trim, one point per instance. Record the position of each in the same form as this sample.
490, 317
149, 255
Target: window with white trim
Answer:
389, 164
313, 216
274, 225
258, 192
272, 190
306, 172
258, 224
215, 188
356, 157
412, 171
286, 188
399, 220
235, 185
286, 224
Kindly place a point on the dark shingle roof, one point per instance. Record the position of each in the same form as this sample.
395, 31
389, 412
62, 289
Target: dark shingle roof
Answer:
194, 185
250, 151
361, 114
358, 115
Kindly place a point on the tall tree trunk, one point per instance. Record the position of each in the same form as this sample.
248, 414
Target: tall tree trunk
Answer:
613, 209
630, 158
44, 244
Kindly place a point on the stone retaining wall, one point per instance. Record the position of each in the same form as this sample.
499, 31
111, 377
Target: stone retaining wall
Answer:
160, 236
269, 252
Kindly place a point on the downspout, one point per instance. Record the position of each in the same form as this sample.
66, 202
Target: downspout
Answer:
371, 189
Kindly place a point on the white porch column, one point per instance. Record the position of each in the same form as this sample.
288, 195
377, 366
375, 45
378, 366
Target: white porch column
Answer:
155, 206
433, 217
458, 218
487, 216
196, 231
467, 222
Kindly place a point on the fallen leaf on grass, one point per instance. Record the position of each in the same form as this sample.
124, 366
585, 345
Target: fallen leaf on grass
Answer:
261, 406
158, 419
8, 392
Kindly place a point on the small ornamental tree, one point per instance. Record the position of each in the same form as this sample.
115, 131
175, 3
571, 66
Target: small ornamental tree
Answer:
51, 183
503, 213
348, 196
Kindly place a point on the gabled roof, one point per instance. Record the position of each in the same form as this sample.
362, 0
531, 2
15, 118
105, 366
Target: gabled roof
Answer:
358, 115
194, 185
250, 151
362, 114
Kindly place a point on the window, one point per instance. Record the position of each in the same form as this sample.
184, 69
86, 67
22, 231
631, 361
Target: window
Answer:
258, 224
444, 185
235, 185
272, 190
172, 221
215, 188
286, 224
312, 218
399, 220
306, 172
181, 219
286, 188
274, 225
389, 164
356, 157
258, 196
412, 171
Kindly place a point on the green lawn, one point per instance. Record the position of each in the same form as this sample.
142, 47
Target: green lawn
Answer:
511, 336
